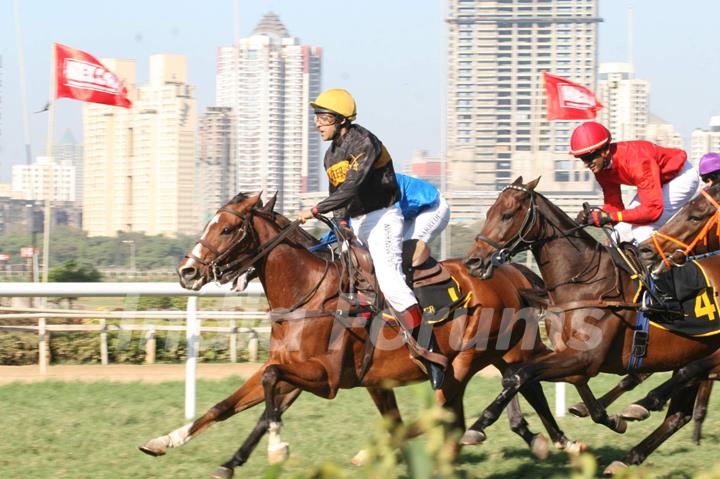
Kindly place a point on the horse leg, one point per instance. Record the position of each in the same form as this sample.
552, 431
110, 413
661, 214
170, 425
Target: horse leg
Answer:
679, 413
535, 396
226, 471
248, 395
537, 443
598, 412
628, 383
701, 405
655, 400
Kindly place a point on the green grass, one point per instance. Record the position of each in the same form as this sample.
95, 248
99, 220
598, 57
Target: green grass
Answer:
75, 430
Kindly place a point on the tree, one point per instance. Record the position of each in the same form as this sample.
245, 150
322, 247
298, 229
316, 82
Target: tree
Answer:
73, 272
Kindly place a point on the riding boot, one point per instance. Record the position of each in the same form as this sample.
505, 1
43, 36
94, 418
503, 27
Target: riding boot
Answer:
411, 319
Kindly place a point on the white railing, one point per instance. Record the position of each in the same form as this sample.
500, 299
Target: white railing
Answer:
192, 329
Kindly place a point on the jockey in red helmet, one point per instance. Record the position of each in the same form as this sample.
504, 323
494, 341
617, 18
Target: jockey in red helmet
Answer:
664, 179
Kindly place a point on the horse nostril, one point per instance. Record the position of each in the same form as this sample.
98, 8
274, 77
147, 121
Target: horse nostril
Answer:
188, 273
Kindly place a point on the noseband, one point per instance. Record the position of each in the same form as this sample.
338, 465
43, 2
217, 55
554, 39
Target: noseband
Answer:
518, 243
701, 236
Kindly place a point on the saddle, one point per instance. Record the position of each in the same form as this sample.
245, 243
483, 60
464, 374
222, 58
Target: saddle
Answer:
431, 283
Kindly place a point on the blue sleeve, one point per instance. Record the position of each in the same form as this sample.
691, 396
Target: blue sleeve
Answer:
415, 195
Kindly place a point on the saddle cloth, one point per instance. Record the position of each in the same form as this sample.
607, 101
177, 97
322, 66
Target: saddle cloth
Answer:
689, 285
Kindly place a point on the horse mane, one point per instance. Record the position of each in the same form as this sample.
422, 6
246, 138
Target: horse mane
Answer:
558, 212
299, 236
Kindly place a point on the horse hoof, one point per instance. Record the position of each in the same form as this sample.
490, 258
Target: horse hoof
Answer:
154, 447
223, 472
472, 438
575, 448
615, 468
620, 425
579, 410
279, 453
635, 412
540, 446
360, 459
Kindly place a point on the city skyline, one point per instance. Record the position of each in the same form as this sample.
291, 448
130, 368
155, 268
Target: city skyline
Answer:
408, 75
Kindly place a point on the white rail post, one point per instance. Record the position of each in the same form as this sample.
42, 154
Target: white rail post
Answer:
103, 343
253, 347
42, 346
192, 334
233, 341
559, 399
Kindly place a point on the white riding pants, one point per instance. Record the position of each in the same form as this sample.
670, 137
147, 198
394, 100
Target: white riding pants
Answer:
676, 193
429, 223
382, 232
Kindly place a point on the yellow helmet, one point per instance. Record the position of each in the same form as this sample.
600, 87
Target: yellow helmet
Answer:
336, 100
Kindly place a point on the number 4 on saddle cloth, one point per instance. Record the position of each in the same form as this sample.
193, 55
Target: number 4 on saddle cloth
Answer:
688, 287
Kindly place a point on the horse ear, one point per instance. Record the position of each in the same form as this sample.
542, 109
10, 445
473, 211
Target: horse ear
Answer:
531, 186
271, 203
518, 181
258, 201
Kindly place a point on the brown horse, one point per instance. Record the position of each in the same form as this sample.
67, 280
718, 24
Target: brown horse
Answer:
595, 304
693, 230
315, 350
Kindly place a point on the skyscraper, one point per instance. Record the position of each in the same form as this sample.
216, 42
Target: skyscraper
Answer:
705, 140
216, 173
496, 126
67, 150
268, 79
626, 100
107, 159
140, 163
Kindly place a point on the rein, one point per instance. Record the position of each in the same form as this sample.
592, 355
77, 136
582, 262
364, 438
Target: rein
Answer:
701, 236
519, 243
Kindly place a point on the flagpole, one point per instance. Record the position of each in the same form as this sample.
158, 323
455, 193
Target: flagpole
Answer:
49, 173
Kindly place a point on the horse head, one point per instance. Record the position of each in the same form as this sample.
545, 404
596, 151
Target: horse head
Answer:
228, 239
692, 230
510, 226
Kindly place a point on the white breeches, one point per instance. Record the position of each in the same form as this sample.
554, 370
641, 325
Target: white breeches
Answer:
429, 223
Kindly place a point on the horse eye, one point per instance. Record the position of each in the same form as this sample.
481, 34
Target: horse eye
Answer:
507, 216
695, 218
227, 230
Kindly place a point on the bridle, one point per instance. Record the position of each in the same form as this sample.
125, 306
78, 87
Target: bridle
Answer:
219, 266
517, 243
714, 220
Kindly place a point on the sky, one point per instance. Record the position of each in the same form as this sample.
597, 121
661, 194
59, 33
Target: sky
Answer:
389, 53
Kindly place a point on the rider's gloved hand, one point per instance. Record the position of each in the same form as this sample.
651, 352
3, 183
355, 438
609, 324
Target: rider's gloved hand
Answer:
601, 218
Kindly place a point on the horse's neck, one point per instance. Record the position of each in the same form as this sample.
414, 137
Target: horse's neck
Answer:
290, 273
564, 257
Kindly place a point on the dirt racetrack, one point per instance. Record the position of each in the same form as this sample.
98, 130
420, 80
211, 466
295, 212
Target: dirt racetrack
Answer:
152, 373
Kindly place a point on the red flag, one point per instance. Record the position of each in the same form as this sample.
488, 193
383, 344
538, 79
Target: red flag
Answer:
569, 101
81, 76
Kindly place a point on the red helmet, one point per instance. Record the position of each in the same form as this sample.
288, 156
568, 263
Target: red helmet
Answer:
588, 137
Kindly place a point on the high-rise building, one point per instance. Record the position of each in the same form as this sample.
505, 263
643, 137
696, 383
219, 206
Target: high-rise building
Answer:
140, 163
107, 159
426, 167
269, 79
31, 180
70, 151
496, 124
216, 165
663, 133
626, 100
164, 199
705, 141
